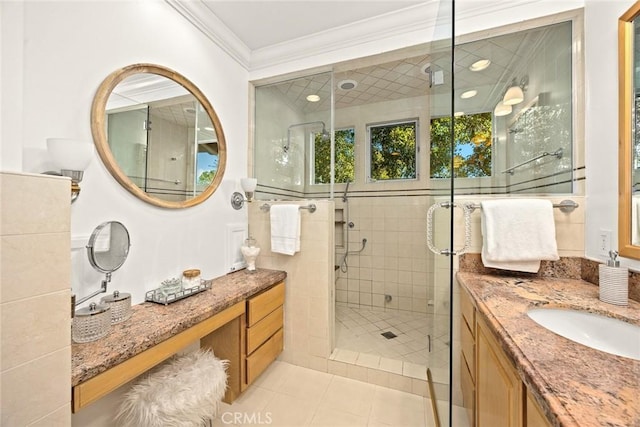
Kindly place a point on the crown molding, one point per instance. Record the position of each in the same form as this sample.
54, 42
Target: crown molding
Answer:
201, 17
419, 19
413, 25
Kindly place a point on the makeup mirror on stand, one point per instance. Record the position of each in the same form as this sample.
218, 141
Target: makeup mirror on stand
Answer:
107, 250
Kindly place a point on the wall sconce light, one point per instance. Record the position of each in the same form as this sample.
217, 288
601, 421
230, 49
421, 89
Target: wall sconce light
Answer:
515, 93
502, 109
248, 186
71, 157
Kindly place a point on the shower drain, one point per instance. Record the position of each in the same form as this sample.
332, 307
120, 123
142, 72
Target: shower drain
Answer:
388, 335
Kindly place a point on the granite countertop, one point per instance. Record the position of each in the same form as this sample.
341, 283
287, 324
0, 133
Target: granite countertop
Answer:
152, 323
574, 384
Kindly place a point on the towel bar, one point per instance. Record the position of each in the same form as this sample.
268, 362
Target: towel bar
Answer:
557, 154
310, 207
566, 206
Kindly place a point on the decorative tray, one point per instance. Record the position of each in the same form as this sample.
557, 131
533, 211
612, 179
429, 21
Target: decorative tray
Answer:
160, 298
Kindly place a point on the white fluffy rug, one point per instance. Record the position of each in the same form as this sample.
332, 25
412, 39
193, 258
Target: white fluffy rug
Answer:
182, 392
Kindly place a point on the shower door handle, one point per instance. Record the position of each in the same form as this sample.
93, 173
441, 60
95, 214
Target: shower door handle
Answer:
467, 228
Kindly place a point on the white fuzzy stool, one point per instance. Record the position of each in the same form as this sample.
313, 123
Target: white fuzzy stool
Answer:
184, 392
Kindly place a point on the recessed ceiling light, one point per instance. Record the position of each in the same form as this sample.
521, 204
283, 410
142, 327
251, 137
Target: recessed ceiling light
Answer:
347, 84
480, 65
313, 98
458, 114
189, 110
469, 94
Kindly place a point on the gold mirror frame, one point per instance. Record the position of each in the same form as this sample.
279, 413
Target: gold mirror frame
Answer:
98, 123
625, 126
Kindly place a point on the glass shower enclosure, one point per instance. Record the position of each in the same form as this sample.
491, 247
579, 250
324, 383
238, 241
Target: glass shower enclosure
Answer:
384, 138
359, 133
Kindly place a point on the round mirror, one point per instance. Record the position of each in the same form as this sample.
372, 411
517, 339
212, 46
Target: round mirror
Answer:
108, 246
158, 136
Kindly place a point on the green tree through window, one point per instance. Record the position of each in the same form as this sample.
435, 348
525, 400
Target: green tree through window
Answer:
345, 158
393, 150
472, 150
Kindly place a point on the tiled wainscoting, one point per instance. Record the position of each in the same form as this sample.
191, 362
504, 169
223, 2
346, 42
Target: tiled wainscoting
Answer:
35, 309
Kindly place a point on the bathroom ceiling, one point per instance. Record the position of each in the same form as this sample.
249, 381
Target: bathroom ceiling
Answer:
402, 78
265, 23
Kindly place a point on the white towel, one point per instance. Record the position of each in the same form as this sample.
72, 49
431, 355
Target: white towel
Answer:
285, 229
518, 233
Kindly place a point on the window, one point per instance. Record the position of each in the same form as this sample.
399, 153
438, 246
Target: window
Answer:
206, 163
393, 149
344, 161
473, 146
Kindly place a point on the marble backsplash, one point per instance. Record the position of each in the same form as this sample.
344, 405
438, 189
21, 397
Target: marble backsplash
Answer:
565, 267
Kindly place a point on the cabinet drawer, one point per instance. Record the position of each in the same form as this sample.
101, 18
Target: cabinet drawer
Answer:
468, 392
262, 304
468, 311
468, 348
262, 330
263, 356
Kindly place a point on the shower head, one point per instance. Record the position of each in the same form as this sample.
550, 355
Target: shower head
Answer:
325, 135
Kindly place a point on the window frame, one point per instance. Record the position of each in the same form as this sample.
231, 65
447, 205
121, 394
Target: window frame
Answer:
369, 151
493, 158
312, 156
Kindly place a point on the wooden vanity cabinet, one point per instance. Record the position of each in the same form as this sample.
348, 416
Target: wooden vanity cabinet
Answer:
492, 392
499, 390
264, 334
467, 356
534, 415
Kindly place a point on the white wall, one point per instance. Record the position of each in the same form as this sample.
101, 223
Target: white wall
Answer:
601, 129
54, 56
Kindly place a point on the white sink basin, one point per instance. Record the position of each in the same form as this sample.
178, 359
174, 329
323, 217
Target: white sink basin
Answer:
593, 330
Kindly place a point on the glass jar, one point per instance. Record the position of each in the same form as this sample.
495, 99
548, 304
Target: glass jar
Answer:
250, 251
190, 278
91, 323
170, 286
120, 306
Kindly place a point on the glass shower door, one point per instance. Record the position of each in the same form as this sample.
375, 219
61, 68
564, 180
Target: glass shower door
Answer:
439, 221
127, 132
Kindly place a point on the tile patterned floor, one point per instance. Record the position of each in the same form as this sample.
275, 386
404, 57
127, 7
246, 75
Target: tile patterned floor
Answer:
359, 330
291, 396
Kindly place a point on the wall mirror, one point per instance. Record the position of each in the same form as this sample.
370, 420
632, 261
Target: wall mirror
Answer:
629, 132
158, 136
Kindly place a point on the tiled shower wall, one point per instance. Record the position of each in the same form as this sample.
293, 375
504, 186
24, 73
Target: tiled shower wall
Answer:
395, 261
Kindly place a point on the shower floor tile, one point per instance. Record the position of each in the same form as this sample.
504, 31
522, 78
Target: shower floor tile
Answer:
359, 330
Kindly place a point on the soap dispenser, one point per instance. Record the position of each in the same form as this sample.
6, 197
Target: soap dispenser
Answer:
614, 281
